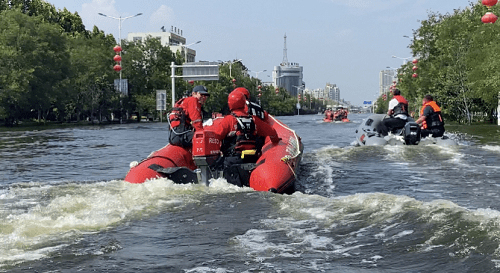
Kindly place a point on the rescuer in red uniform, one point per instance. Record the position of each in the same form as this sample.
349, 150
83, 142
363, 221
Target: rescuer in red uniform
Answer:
430, 118
252, 108
398, 114
239, 132
240, 124
186, 117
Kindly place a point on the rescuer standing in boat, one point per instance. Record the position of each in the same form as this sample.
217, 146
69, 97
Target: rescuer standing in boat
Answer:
186, 117
430, 118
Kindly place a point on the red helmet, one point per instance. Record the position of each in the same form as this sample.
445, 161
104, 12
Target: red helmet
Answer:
236, 100
244, 91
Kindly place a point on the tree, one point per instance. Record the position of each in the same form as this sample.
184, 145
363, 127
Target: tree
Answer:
36, 62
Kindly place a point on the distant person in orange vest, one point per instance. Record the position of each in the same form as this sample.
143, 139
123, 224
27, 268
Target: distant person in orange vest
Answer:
431, 121
186, 117
398, 114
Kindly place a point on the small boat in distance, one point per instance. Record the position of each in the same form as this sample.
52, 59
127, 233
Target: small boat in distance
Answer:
339, 115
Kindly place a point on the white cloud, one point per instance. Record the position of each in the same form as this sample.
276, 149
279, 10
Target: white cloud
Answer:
163, 16
103, 6
90, 16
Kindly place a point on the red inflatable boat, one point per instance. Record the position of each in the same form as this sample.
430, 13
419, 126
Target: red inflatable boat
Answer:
275, 170
339, 115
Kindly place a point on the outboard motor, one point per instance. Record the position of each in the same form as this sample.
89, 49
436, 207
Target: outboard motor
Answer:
206, 151
411, 133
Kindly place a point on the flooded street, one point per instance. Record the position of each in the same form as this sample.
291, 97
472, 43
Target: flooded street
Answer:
64, 206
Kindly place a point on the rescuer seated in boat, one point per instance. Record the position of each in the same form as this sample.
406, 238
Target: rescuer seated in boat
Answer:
186, 117
239, 132
340, 114
430, 119
398, 114
328, 114
252, 108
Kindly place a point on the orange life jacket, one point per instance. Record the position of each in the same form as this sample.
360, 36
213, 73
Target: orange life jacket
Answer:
435, 119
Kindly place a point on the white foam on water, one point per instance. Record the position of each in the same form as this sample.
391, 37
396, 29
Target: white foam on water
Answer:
43, 218
220, 185
307, 218
203, 269
491, 148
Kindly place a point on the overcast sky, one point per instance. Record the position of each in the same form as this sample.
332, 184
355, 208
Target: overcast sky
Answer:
346, 42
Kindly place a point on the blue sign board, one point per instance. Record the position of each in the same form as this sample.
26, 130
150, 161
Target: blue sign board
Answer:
367, 102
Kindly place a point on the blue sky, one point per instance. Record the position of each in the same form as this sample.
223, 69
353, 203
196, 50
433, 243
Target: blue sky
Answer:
346, 42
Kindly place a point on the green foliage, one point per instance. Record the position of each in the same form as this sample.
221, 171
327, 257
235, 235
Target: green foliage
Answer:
458, 64
36, 63
54, 70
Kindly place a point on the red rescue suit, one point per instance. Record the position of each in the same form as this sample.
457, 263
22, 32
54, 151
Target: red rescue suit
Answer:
185, 119
192, 111
228, 127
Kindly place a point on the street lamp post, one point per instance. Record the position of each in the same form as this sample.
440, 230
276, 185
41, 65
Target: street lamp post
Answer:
230, 65
120, 19
186, 48
298, 94
404, 59
257, 73
257, 81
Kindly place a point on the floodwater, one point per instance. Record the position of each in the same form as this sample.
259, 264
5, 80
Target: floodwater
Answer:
64, 206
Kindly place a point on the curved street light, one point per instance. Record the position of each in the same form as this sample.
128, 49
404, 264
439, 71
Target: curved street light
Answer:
230, 65
186, 48
404, 59
257, 73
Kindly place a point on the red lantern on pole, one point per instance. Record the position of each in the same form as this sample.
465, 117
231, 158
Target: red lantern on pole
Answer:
277, 91
117, 67
415, 68
191, 82
415, 61
414, 75
117, 58
117, 48
260, 95
489, 18
489, 3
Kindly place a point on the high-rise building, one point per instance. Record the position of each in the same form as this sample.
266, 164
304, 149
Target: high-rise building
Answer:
173, 39
289, 75
333, 91
386, 80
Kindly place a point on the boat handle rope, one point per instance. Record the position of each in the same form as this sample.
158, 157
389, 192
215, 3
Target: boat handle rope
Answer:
172, 129
287, 159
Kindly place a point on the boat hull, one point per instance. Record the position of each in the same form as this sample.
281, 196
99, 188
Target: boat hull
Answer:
275, 170
366, 134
